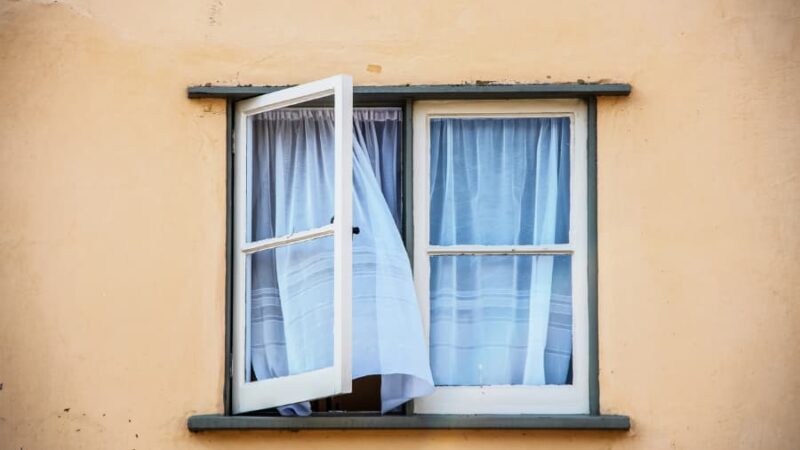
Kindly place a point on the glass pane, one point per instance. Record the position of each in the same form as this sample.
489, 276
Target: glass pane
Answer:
501, 320
291, 173
289, 325
499, 181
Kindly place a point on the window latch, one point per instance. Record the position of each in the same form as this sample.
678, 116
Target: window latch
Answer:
356, 230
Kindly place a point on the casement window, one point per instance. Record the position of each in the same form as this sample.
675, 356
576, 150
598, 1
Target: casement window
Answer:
426, 261
282, 245
500, 255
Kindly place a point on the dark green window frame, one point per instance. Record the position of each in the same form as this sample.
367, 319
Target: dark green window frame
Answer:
404, 96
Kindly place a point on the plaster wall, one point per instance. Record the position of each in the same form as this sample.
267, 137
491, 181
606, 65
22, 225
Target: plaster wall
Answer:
112, 205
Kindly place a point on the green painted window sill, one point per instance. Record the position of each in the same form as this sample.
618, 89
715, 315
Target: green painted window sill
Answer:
214, 422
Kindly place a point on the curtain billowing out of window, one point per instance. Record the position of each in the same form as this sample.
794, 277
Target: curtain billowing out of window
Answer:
290, 312
507, 319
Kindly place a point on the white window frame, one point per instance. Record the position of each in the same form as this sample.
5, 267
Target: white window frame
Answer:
334, 380
508, 399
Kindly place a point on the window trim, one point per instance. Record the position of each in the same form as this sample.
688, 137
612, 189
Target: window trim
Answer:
519, 399
218, 422
382, 94
405, 96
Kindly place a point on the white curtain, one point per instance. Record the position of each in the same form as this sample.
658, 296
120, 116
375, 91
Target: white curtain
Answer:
290, 312
499, 320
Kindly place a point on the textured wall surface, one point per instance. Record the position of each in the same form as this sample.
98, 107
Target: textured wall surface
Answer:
112, 208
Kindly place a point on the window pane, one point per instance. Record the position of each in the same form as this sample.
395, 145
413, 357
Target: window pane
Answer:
289, 310
291, 171
499, 181
501, 320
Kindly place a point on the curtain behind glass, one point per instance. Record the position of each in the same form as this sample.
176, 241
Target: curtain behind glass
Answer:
499, 320
294, 147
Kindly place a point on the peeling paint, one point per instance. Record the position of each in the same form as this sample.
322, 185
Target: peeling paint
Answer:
214, 11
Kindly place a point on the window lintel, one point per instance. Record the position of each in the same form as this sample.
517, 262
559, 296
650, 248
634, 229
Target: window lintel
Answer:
436, 91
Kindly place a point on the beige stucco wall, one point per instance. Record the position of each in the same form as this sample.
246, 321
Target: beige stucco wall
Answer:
112, 209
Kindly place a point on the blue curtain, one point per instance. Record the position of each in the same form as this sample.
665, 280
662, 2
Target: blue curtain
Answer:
500, 320
290, 310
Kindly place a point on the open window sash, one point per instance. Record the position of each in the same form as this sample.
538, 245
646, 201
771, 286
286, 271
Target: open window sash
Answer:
249, 394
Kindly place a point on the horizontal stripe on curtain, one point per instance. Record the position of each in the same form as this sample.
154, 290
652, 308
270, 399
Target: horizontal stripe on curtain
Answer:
500, 320
291, 308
